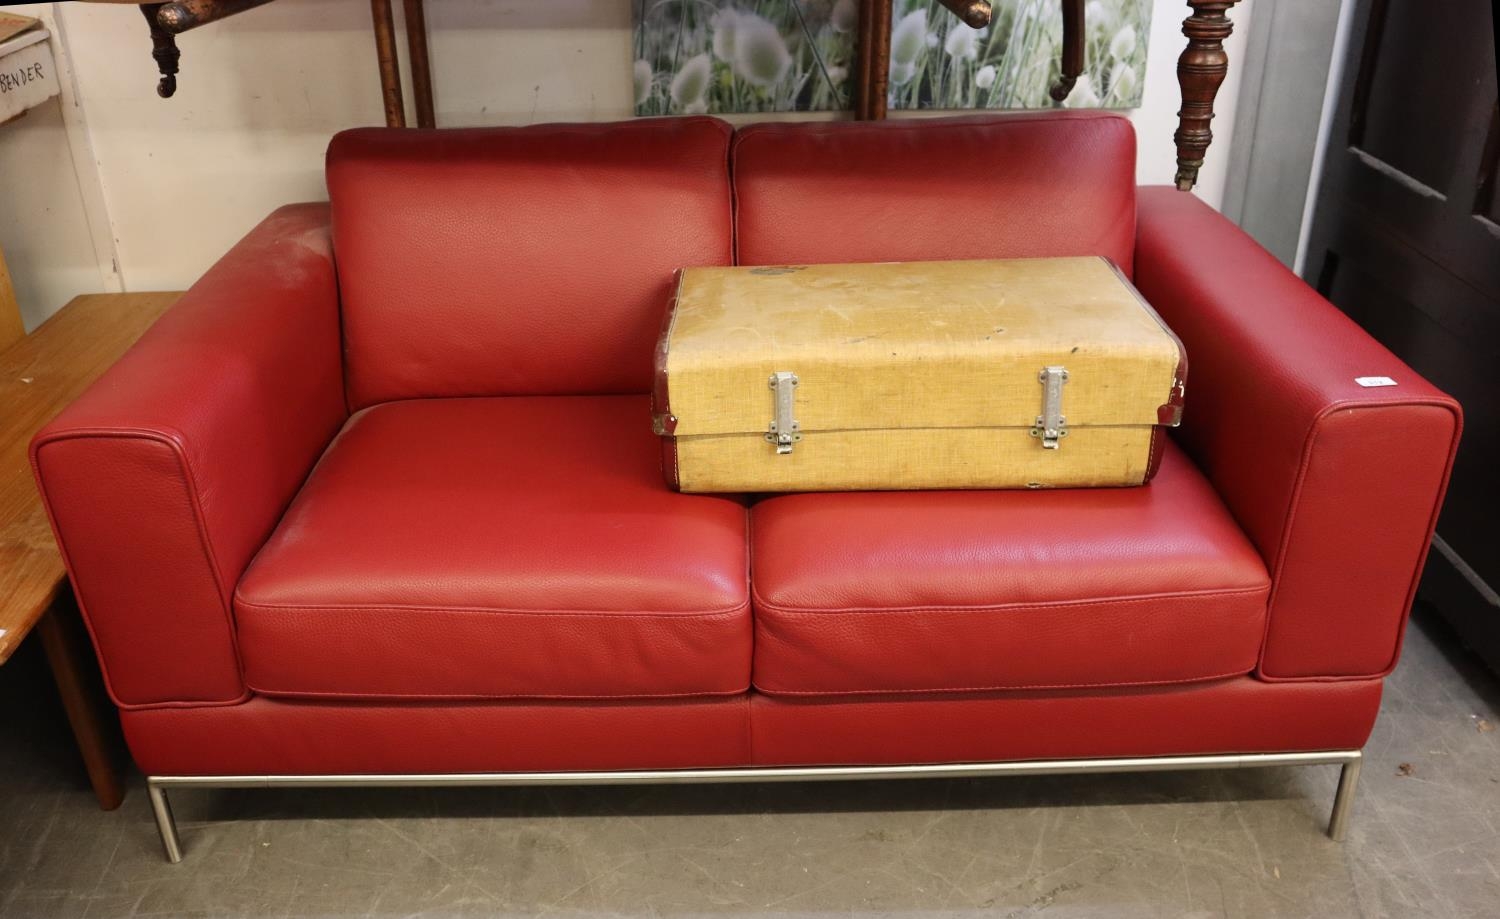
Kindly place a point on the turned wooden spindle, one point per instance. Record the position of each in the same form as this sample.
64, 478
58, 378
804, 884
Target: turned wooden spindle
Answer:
1200, 72
164, 51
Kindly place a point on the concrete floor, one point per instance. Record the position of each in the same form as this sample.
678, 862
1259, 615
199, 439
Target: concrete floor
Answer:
1425, 839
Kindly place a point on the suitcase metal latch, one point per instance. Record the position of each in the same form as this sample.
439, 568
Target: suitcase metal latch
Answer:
1051, 426
784, 430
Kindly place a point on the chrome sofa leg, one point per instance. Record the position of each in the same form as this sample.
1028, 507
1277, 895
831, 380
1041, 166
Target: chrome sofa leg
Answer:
1343, 799
158, 785
161, 808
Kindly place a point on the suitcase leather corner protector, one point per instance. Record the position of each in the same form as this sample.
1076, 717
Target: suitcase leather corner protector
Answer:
972, 374
663, 422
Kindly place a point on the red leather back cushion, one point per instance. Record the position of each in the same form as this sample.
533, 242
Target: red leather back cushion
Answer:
519, 261
1013, 186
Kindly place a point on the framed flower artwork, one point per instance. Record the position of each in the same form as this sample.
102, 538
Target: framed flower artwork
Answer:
729, 56
938, 62
720, 56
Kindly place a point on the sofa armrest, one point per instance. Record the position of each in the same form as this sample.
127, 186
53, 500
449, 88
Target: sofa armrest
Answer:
1337, 484
166, 476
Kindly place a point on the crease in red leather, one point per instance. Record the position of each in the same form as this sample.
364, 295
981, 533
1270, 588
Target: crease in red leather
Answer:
1275, 407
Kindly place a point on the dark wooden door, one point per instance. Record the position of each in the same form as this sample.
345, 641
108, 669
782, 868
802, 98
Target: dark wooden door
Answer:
1406, 240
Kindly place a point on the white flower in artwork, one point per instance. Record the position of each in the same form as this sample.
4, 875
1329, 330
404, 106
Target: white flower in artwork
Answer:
845, 16
722, 23
696, 107
985, 78
837, 74
1123, 82
1083, 95
1121, 46
902, 72
1098, 15
642, 82
690, 86
909, 39
932, 40
962, 43
760, 54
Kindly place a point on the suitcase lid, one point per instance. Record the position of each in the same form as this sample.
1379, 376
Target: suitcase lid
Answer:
1038, 343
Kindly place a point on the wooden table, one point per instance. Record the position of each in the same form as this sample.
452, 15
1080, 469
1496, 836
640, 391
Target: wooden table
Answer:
39, 375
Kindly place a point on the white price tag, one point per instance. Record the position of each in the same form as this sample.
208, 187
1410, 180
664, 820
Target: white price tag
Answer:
1374, 381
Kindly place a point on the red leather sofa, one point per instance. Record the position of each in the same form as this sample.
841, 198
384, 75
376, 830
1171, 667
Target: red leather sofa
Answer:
379, 498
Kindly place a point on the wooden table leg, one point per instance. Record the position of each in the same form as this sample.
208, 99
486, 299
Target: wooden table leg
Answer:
72, 662
164, 50
390, 70
421, 67
873, 59
1200, 72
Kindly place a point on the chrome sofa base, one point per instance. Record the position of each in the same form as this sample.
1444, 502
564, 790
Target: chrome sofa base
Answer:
1338, 822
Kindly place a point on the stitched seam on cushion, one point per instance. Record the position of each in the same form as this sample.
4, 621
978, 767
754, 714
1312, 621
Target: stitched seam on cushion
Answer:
1060, 604
583, 697
173, 443
358, 607
152, 706
1289, 522
1000, 688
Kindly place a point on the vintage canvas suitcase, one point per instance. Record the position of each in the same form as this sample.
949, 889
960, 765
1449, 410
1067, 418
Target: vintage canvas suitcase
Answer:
1028, 373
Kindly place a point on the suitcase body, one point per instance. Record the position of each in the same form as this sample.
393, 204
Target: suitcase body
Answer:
1020, 373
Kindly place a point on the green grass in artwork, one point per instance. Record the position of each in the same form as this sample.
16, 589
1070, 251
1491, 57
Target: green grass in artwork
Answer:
938, 62
696, 56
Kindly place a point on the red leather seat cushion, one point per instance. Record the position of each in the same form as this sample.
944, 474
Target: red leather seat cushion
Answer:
889, 592
1014, 186
500, 547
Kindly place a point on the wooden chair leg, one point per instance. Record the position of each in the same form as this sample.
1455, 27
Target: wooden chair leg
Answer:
1072, 50
72, 663
417, 57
